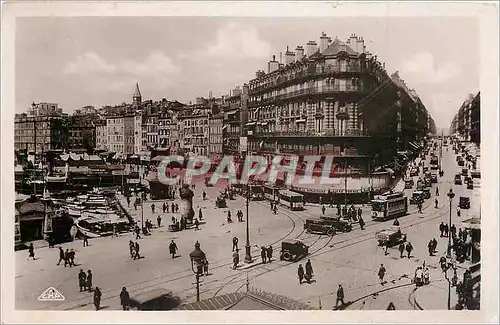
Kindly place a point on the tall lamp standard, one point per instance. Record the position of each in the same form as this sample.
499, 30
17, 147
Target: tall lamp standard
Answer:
451, 195
197, 257
248, 255
244, 149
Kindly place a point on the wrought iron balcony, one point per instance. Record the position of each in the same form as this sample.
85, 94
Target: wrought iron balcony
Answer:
328, 133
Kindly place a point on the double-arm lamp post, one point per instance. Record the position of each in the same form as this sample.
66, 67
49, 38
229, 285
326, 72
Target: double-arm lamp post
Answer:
197, 258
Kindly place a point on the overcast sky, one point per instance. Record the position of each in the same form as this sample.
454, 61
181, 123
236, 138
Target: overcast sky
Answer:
96, 61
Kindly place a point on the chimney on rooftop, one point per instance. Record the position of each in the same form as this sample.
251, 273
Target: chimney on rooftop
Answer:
360, 47
323, 42
289, 56
312, 47
299, 53
272, 65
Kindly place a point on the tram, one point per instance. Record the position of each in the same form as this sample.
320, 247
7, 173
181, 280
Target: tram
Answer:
291, 200
271, 192
389, 206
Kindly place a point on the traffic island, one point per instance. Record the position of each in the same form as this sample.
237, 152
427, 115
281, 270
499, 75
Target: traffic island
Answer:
434, 296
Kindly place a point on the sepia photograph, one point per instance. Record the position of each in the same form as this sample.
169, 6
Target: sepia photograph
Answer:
189, 157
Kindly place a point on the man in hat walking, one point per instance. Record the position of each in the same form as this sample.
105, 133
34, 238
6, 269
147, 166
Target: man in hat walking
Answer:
381, 273
97, 298
124, 298
300, 273
340, 296
172, 248
89, 280
82, 280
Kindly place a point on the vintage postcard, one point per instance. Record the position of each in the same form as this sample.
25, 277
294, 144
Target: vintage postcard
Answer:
200, 162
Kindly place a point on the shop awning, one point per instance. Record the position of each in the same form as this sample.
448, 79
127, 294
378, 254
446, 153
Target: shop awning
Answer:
224, 127
414, 145
300, 121
390, 170
250, 124
472, 223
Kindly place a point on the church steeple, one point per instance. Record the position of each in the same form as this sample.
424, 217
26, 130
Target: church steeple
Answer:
137, 97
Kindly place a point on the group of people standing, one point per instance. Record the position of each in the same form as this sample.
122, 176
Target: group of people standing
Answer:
67, 256
308, 274
85, 284
266, 253
134, 250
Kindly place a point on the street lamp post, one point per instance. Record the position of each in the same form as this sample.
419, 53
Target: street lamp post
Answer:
248, 256
244, 149
142, 212
197, 257
345, 183
451, 195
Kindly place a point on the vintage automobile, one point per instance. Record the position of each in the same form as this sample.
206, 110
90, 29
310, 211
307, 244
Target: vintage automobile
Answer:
464, 203
155, 299
426, 169
338, 223
319, 226
417, 197
409, 183
475, 174
426, 192
293, 250
413, 172
220, 202
465, 172
390, 237
461, 163
470, 185
174, 227
458, 179
434, 178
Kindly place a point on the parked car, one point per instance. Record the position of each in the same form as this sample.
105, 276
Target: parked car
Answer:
220, 203
475, 174
417, 197
461, 163
426, 192
464, 203
293, 250
470, 185
413, 172
434, 178
319, 226
465, 172
458, 179
391, 236
338, 224
409, 183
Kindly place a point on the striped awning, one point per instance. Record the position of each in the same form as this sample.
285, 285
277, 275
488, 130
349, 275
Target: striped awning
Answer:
414, 145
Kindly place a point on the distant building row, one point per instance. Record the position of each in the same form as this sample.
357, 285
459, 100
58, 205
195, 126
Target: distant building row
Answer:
467, 122
323, 99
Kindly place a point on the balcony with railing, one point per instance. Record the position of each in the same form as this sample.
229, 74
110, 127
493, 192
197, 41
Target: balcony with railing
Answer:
317, 71
328, 133
323, 90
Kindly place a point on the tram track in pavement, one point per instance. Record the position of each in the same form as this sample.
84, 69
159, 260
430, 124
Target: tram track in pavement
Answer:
226, 262
189, 271
364, 237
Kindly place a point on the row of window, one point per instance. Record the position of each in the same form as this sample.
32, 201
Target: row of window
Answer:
340, 65
196, 122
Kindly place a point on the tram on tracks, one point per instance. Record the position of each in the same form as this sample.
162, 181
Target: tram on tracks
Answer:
389, 206
291, 200
271, 192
